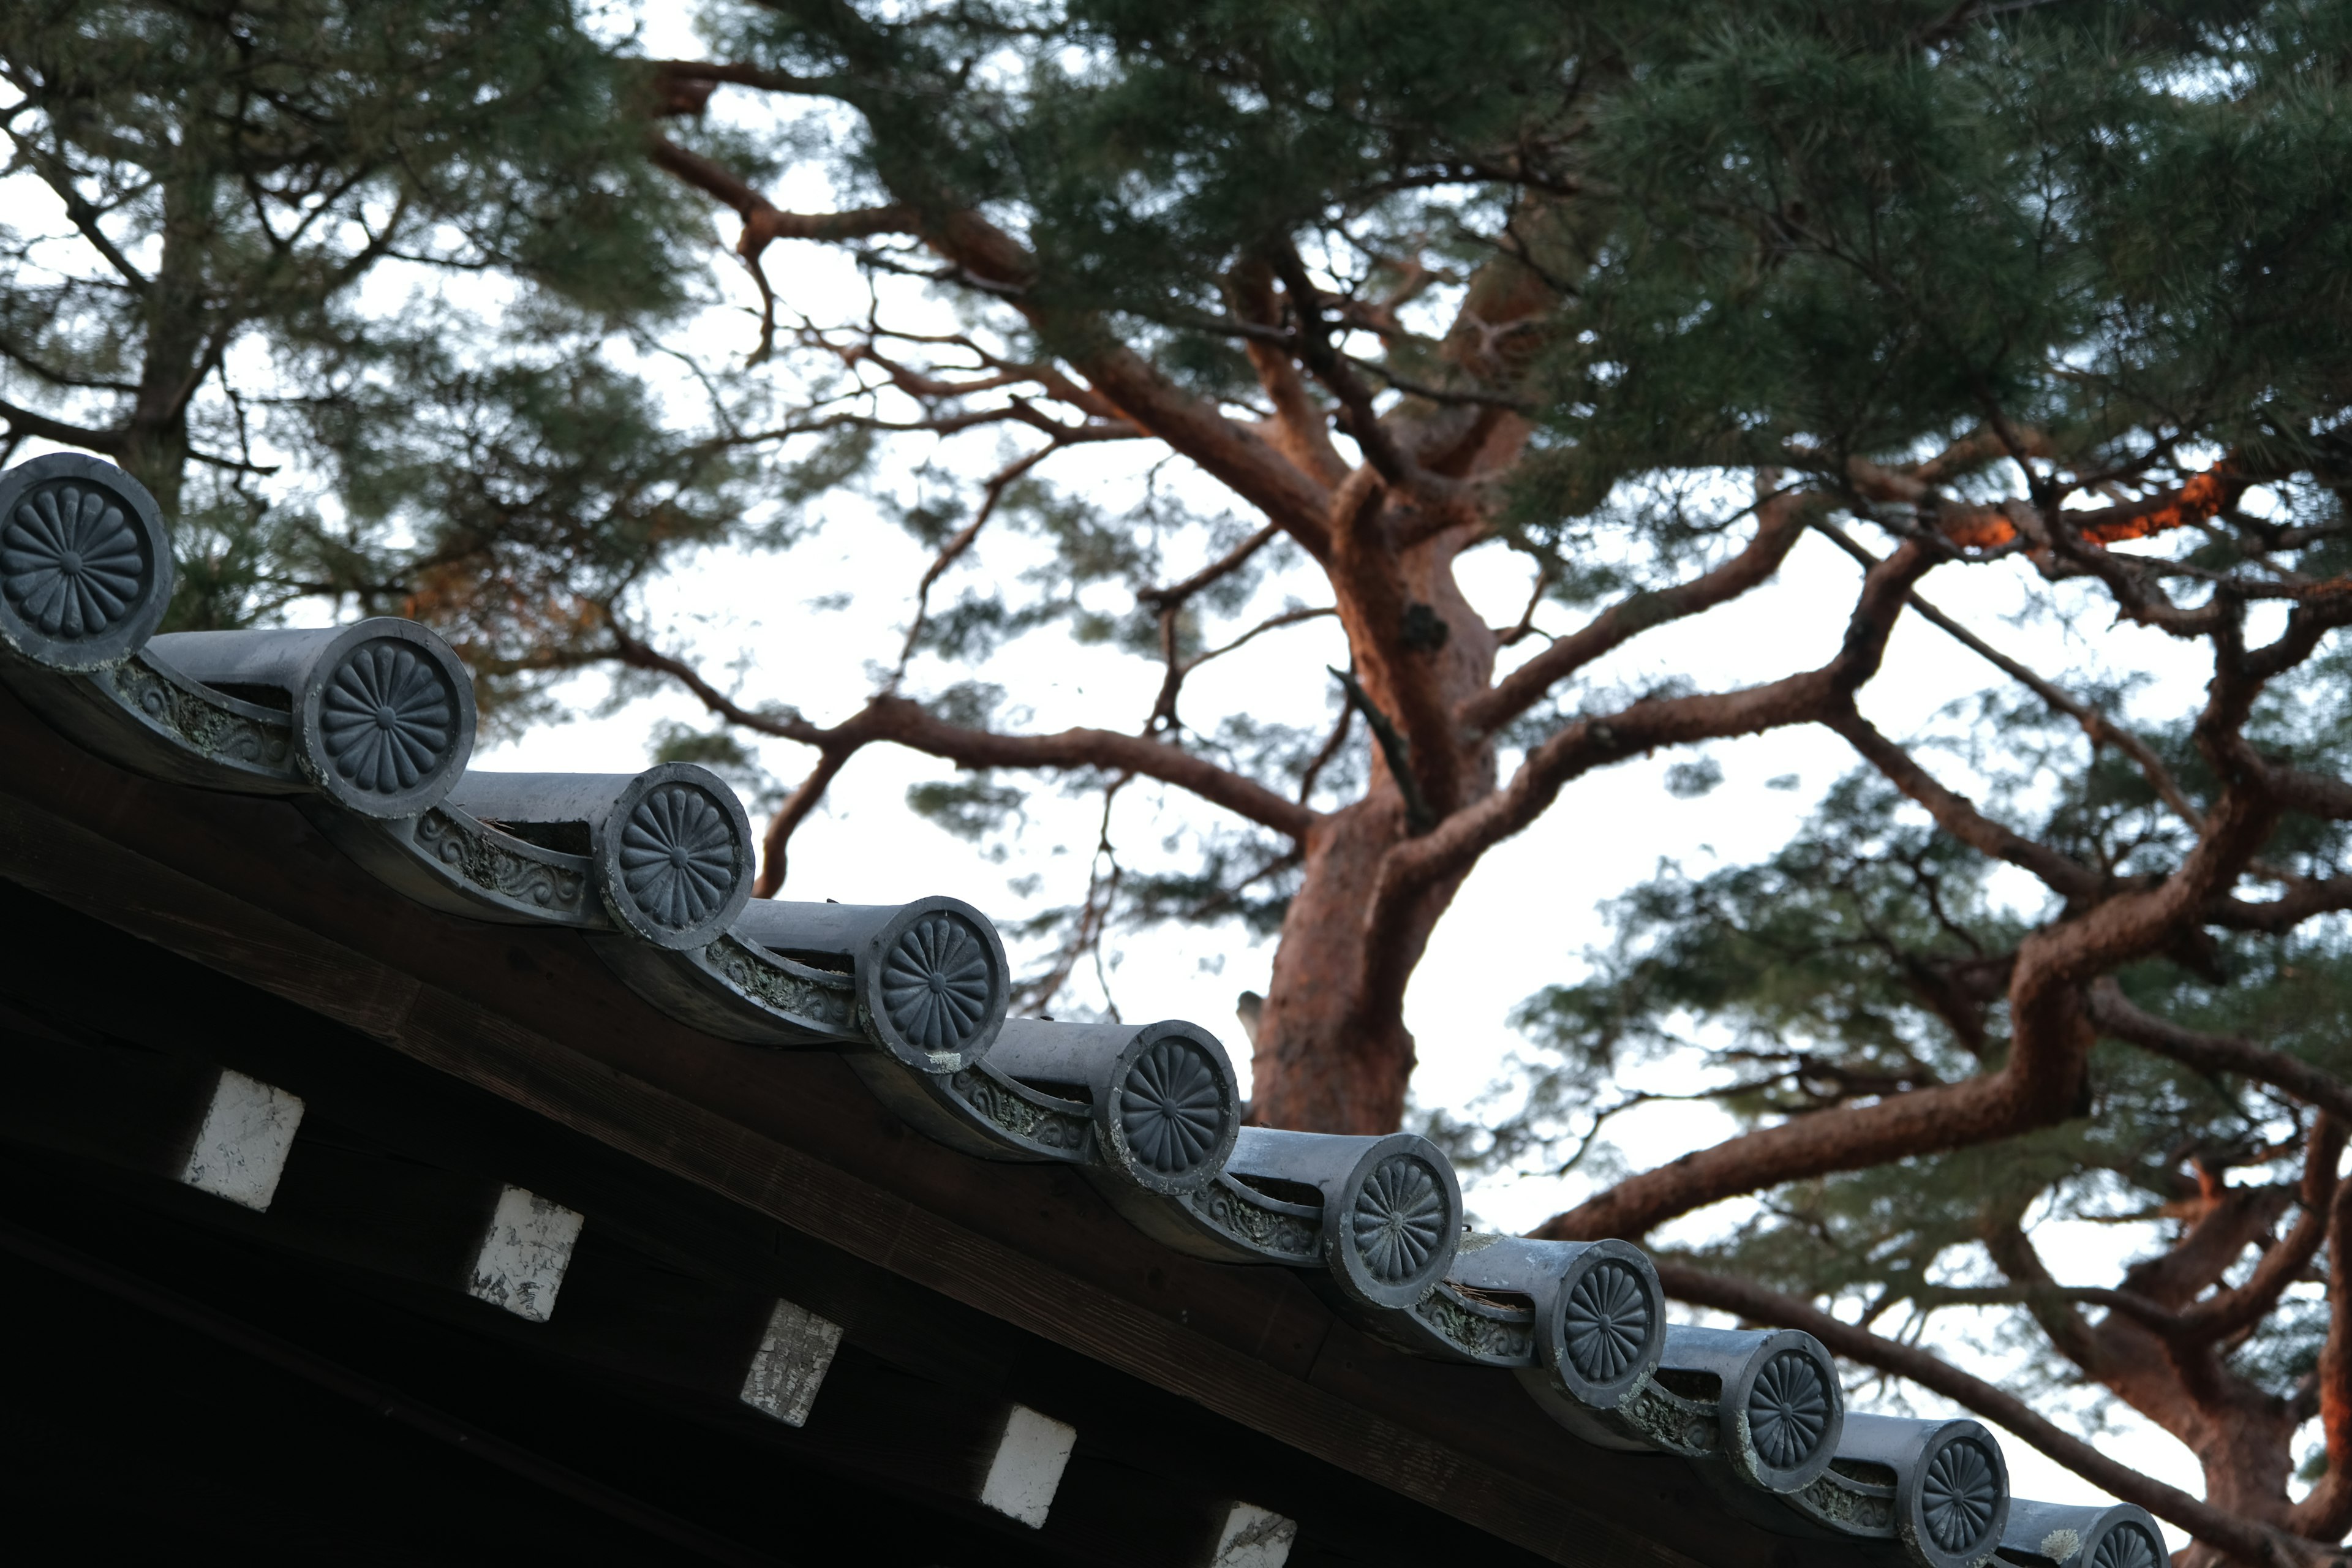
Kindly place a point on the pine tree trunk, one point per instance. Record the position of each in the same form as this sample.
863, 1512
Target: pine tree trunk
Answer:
2242, 1435
176, 353
1332, 1052
2246, 1454
1329, 1055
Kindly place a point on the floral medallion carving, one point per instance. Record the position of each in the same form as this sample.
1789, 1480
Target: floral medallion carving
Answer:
73, 564
1958, 1495
1400, 1220
387, 717
678, 858
1787, 1410
1171, 1107
1605, 1322
935, 983
2127, 1545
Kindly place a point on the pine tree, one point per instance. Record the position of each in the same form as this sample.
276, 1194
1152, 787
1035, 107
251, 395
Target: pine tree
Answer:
220, 184
1646, 294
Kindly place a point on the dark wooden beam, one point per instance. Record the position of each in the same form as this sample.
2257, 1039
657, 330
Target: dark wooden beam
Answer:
197, 1390
386, 1403
657, 1306
794, 1145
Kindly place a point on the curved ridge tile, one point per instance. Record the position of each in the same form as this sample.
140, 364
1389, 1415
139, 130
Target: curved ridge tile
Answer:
1149, 1112
664, 855
86, 574
928, 980
1161, 1100
1758, 1410
447, 858
1584, 1320
1234, 1221
912, 995
145, 715
1267, 1202
1938, 1491
2061, 1535
381, 712
1387, 1212
85, 564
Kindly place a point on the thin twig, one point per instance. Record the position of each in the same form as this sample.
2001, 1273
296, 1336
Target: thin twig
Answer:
1527, 622
954, 550
2095, 724
1393, 746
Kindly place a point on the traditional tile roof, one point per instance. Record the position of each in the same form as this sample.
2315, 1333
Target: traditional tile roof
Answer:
368, 728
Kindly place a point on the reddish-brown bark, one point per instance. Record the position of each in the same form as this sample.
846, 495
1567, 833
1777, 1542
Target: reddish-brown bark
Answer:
1332, 1052
2325, 1514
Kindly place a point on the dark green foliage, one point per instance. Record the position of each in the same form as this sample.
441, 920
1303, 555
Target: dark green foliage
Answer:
971, 808
507, 498
2099, 222
1837, 968
1241, 877
1784, 234
1869, 957
1689, 781
724, 753
238, 175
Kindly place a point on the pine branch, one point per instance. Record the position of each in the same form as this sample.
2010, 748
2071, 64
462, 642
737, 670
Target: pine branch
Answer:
1394, 747
2102, 730
1780, 523
895, 719
764, 222
957, 546
2325, 1514
1592, 742
1304, 431
25, 421
1954, 814
2115, 1014
795, 810
1233, 560
2035, 1086
1755, 1303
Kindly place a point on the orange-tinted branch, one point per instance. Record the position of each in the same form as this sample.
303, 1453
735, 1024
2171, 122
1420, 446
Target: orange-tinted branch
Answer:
1755, 1303
1780, 522
2326, 1512
910, 724
791, 814
2202, 497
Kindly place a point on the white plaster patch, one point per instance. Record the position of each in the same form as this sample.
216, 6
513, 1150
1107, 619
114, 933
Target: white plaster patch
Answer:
790, 1365
241, 1150
1027, 1467
521, 1263
1254, 1537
